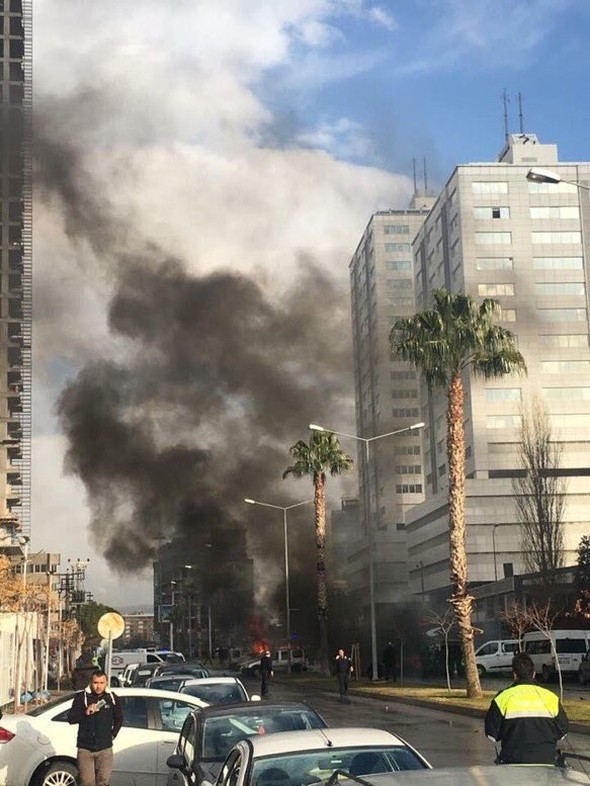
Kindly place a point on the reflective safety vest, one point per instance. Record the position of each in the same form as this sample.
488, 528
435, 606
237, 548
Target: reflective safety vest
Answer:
527, 720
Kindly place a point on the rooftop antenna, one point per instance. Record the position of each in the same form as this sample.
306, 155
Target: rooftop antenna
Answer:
414, 168
425, 178
505, 101
520, 114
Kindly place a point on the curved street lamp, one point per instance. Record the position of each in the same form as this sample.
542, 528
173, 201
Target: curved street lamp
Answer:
539, 175
367, 441
284, 508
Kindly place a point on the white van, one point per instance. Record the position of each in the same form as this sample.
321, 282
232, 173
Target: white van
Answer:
570, 646
121, 658
495, 657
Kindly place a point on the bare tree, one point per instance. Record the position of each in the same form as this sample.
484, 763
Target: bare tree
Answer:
541, 617
516, 616
540, 496
444, 623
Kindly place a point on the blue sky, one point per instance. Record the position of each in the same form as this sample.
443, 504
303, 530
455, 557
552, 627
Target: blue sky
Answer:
427, 78
249, 135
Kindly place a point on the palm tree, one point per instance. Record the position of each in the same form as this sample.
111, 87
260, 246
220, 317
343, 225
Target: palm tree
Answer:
323, 453
455, 335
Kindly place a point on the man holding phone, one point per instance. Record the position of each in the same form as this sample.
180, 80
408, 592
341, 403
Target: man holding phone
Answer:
99, 715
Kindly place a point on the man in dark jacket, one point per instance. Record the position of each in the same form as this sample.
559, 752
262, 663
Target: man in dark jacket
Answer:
526, 719
266, 673
343, 671
99, 715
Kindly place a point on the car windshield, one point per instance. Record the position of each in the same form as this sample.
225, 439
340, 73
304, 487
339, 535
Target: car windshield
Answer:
51, 704
306, 767
221, 734
221, 693
173, 683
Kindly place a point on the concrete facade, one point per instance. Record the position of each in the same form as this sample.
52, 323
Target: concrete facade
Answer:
15, 264
493, 233
387, 399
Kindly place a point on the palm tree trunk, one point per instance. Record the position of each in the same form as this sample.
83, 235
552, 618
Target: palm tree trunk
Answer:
319, 482
461, 600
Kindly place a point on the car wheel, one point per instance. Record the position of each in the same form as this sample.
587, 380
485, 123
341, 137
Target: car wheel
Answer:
546, 673
581, 678
254, 672
59, 773
481, 671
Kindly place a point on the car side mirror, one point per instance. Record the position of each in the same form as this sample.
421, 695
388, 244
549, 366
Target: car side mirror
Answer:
175, 762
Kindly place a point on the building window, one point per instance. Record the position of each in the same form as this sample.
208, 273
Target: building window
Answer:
566, 394
561, 314
405, 412
493, 238
578, 421
495, 290
503, 421
403, 265
403, 247
558, 263
564, 341
560, 288
404, 393
565, 366
406, 450
552, 188
557, 237
556, 211
401, 302
502, 394
396, 229
494, 263
491, 212
507, 315
408, 488
486, 187
399, 283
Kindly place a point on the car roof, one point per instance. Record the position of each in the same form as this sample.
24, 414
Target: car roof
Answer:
312, 739
255, 707
175, 675
492, 775
211, 681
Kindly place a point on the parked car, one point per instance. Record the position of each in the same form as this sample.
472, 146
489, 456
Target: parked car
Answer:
208, 735
39, 748
570, 646
175, 681
139, 674
584, 669
193, 667
506, 775
304, 757
218, 690
495, 657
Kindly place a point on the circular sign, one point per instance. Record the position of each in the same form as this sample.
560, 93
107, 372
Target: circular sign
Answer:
111, 625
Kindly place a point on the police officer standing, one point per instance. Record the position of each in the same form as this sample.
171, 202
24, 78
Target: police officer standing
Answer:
266, 673
525, 719
344, 669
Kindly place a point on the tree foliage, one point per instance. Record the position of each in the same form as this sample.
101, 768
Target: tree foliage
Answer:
540, 496
455, 335
582, 577
322, 454
88, 617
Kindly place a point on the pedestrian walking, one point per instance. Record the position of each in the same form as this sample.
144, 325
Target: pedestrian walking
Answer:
344, 669
526, 719
99, 716
266, 673
389, 662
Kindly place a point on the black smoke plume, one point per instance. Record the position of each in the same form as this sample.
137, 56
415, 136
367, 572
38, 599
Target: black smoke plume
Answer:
218, 380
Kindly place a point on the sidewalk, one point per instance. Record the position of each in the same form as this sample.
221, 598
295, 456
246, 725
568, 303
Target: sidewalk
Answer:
436, 697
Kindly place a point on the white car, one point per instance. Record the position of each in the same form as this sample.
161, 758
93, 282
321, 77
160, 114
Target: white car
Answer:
306, 757
218, 690
39, 748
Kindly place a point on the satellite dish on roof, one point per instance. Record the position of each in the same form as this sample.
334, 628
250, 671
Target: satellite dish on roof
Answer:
111, 625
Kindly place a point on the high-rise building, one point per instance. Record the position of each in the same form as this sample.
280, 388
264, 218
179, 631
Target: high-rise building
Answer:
492, 233
15, 265
387, 399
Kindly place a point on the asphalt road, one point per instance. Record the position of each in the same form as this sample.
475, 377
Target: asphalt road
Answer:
445, 739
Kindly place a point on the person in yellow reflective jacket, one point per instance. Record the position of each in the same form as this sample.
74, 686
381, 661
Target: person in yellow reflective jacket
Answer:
526, 719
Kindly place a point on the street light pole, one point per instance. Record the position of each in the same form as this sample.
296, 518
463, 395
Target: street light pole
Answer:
369, 524
538, 175
494, 527
286, 550
171, 621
